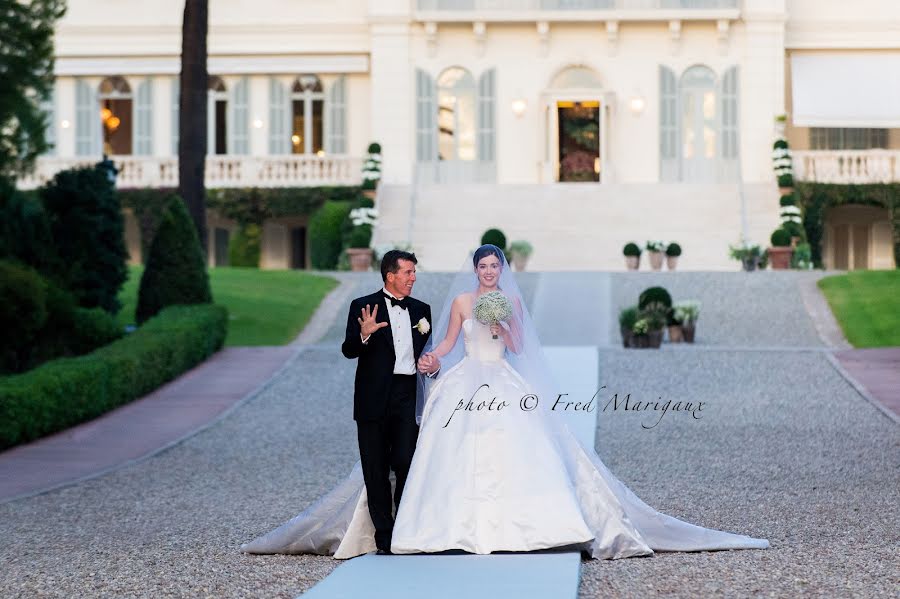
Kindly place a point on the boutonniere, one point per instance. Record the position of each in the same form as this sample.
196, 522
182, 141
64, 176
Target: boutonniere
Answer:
422, 326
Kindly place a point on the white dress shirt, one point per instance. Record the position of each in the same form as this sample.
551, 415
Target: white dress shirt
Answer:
401, 329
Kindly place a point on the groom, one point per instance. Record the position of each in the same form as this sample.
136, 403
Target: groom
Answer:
387, 331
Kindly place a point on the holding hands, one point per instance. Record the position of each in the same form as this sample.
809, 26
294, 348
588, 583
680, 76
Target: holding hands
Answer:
428, 363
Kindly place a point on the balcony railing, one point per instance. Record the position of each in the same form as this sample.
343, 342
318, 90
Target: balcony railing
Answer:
572, 5
295, 170
847, 166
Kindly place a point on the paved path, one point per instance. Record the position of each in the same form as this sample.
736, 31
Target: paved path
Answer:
788, 451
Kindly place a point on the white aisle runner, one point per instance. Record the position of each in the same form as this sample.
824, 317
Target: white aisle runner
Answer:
536, 575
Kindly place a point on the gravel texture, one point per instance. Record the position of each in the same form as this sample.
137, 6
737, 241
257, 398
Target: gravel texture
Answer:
785, 450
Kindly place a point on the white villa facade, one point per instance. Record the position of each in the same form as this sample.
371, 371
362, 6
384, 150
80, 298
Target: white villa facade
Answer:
577, 125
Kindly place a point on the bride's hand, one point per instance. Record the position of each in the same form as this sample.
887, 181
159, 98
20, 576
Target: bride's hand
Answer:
496, 330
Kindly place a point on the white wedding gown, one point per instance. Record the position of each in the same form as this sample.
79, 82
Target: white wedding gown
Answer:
495, 480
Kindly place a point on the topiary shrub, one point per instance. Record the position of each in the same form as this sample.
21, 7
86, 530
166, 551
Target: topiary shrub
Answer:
325, 239
23, 313
788, 199
244, 246
673, 249
495, 237
25, 231
654, 295
781, 237
87, 227
631, 249
175, 272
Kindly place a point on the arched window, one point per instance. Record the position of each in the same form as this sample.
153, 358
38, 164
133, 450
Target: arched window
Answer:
116, 115
456, 115
217, 116
307, 109
699, 125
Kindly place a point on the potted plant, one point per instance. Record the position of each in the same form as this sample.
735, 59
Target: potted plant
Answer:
520, 251
687, 312
632, 253
673, 250
627, 318
640, 330
780, 252
656, 314
749, 255
655, 251
371, 173
360, 254
783, 166
801, 259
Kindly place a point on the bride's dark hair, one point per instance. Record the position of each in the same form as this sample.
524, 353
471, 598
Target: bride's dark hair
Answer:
488, 249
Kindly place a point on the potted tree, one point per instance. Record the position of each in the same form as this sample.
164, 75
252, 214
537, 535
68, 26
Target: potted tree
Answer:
520, 251
655, 251
687, 312
627, 317
673, 250
783, 166
632, 254
780, 252
358, 251
371, 173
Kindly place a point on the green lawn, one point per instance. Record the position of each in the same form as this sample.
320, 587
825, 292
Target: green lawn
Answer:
265, 307
866, 303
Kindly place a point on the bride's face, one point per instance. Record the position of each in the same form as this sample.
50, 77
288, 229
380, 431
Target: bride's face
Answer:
488, 271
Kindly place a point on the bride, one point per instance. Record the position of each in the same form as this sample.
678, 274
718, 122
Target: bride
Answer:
494, 468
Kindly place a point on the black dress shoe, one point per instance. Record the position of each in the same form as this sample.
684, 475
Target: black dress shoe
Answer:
383, 552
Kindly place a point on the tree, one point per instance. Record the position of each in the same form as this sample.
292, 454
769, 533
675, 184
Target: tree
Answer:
192, 114
26, 69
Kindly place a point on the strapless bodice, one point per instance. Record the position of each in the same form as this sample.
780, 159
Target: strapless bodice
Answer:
480, 344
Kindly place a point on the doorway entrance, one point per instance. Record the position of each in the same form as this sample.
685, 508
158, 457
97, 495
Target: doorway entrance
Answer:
579, 140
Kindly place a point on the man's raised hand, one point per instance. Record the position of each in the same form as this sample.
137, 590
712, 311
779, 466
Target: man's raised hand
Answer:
367, 324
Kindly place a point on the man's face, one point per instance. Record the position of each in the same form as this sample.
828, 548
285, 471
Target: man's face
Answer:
400, 283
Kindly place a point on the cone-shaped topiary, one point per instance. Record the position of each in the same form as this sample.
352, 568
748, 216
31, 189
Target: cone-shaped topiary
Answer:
175, 272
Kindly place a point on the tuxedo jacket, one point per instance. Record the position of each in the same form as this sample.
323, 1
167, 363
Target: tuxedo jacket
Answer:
375, 368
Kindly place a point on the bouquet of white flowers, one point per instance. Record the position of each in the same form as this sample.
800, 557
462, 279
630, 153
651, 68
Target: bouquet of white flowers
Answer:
492, 308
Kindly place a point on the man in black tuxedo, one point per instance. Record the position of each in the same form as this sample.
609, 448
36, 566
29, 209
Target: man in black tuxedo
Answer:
387, 331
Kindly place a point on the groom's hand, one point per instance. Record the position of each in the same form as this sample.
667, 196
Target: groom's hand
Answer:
429, 363
367, 324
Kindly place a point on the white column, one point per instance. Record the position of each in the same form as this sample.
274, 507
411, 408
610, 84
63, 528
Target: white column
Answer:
65, 112
392, 112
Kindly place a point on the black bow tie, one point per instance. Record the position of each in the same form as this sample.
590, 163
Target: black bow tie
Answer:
403, 303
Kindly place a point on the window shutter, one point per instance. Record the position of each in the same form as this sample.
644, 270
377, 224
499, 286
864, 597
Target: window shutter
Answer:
486, 127
426, 118
336, 121
238, 128
669, 125
143, 119
176, 125
729, 125
279, 135
87, 120
49, 108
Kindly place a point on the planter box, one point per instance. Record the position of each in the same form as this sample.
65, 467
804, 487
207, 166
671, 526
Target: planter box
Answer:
780, 257
360, 259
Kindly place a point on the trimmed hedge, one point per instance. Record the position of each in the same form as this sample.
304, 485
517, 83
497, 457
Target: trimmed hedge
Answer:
325, 234
68, 391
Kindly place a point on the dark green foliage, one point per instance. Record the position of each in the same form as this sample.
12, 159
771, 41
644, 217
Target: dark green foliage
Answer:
654, 295
26, 66
67, 391
631, 249
374, 148
25, 231
244, 246
786, 180
788, 199
780, 144
793, 229
494, 237
87, 228
816, 198
628, 316
673, 249
175, 272
40, 321
325, 234
781, 237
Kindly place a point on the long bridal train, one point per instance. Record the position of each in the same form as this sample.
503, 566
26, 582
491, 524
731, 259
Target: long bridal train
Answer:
508, 481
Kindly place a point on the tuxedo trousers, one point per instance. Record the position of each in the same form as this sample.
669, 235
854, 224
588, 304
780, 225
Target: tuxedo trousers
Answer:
388, 444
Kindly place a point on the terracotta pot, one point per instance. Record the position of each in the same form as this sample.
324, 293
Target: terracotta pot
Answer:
519, 262
688, 329
785, 190
780, 257
656, 260
369, 193
360, 259
655, 338
675, 335
671, 262
633, 262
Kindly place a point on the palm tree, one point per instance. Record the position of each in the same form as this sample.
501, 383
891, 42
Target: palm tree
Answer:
192, 113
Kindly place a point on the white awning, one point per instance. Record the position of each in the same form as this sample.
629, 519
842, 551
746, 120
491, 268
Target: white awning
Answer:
846, 89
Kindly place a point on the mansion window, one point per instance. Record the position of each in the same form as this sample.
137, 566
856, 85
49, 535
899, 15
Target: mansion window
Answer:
115, 115
307, 108
836, 138
217, 117
308, 115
